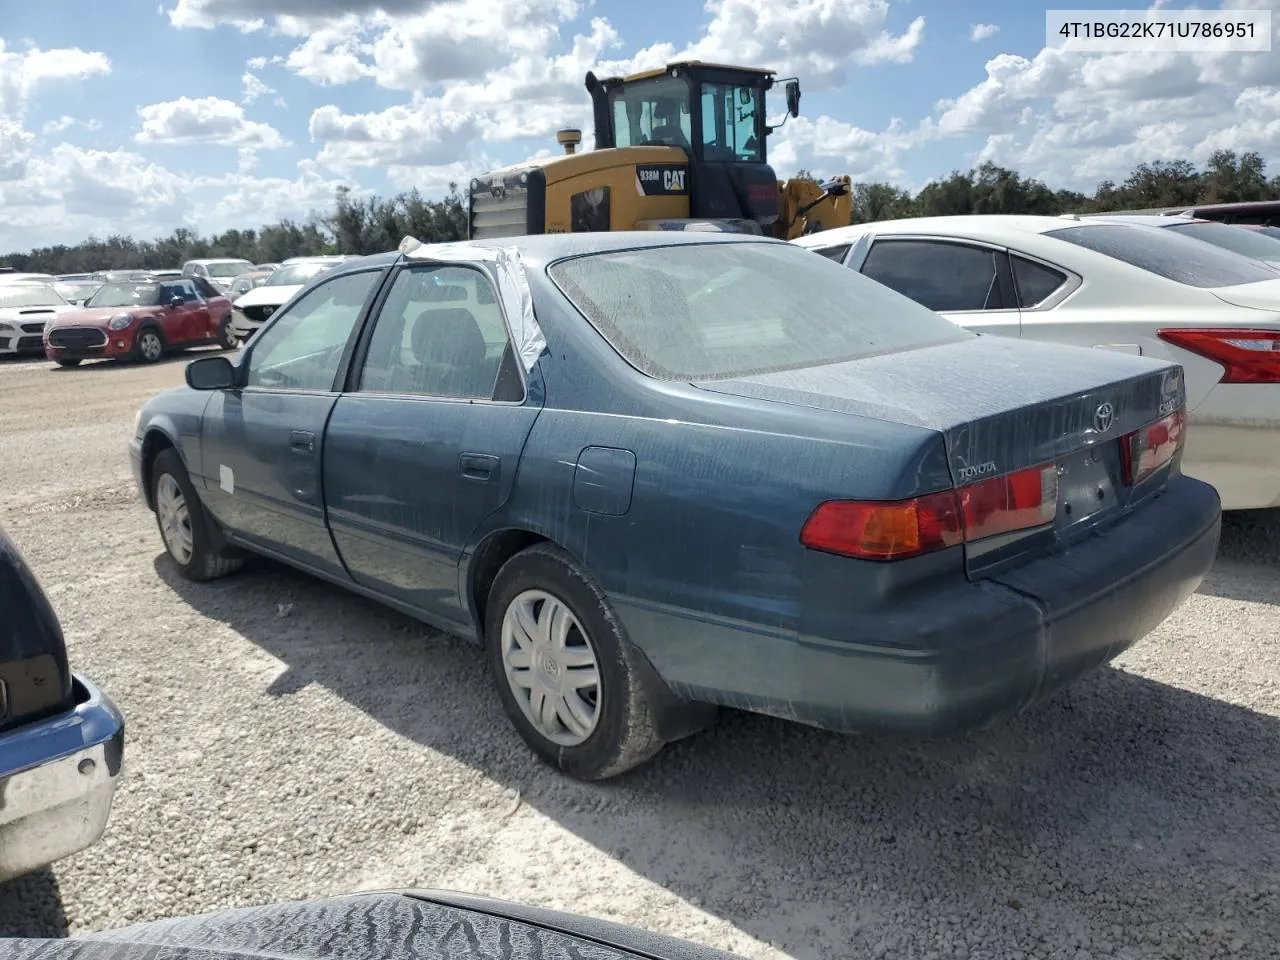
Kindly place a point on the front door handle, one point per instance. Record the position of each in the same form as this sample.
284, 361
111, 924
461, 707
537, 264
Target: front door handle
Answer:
304, 441
479, 466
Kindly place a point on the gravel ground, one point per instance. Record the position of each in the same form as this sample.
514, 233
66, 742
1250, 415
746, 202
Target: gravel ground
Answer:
287, 740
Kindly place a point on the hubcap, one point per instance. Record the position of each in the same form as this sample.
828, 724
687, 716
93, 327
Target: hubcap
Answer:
151, 346
175, 519
551, 668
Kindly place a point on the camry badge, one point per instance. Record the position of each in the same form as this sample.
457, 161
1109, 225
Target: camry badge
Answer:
1104, 417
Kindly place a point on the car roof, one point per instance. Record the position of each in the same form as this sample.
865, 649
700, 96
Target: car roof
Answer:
992, 227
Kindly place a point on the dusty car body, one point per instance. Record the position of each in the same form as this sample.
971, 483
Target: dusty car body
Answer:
61, 738
655, 474
395, 925
140, 321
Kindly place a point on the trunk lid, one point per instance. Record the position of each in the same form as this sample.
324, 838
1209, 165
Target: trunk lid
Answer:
1264, 295
1001, 405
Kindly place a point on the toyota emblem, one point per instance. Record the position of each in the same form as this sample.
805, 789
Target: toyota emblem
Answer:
1104, 417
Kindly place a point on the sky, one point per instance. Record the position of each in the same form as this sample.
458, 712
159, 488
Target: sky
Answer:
140, 116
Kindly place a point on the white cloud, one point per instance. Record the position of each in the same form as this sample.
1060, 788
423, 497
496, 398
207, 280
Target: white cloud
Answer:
982, 31
206, 120
65, 123
23, 74
255, 89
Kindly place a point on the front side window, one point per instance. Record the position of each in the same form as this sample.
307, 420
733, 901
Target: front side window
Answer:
836, 253
702, 311
730, 122
652, 113
440, 333
941, 276
1161, 251
301, 350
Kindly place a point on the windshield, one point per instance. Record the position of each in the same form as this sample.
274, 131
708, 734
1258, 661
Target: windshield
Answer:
126, 294
229, 268
1251, 243
78, 289
730, 122
295, 274
1161, 251
652, 112
29, 295
720, 310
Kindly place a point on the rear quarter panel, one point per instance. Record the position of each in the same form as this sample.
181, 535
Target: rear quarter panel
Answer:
708, 538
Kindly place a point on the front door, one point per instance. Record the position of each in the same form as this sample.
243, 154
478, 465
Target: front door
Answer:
968, 283
192, 316
426, 445
263, 444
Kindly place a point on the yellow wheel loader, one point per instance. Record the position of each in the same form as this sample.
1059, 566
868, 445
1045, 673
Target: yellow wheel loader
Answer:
679, 148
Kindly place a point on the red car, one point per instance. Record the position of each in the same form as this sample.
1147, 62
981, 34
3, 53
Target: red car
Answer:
141, 320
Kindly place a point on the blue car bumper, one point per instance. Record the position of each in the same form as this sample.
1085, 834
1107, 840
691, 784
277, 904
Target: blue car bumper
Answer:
58, 779
968, 654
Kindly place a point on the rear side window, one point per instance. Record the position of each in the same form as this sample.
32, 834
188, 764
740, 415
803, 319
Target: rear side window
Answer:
833, 253
1161, 251
1035, 282
703, 311
941, 276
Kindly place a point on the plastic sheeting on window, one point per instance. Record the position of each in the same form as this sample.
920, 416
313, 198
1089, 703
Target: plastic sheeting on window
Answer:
513, 287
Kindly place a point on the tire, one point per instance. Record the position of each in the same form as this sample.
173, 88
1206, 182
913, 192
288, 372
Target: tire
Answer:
623, 733
67, 363
227, 338
148, 347
193, 554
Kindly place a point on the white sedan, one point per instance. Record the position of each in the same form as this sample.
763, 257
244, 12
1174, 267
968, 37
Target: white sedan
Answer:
26, 307
1113, 285
251, 309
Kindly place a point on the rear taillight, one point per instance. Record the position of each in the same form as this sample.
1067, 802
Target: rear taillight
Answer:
895, 530
1249, 356
1145, 451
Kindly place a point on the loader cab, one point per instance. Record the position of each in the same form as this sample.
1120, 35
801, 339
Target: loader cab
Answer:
716, 115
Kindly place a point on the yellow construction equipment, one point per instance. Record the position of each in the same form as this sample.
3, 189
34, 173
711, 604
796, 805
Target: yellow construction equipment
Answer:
678, 148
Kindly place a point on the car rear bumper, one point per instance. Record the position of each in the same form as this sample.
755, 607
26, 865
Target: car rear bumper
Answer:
966, 655
1233, 442
58, 779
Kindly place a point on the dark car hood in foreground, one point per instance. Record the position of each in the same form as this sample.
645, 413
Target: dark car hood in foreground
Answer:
35, 678
997, 400
414, 925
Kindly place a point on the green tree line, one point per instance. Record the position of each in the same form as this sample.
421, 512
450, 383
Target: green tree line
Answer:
356, 225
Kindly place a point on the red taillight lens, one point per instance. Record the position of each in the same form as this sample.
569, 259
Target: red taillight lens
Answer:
1021, 500
1249, 356
1147, 450
880, 530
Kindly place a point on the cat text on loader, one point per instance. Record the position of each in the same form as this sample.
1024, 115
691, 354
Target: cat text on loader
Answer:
680, 148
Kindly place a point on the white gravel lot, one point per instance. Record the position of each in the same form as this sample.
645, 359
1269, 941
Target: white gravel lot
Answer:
341, 746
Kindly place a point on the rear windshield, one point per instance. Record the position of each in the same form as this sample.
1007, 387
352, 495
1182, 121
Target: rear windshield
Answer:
1251, 243
721, 310
1161, 251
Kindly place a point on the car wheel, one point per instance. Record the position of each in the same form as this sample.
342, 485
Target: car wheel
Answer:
184, 523
227, 338
567, 675
67, 363
149, 347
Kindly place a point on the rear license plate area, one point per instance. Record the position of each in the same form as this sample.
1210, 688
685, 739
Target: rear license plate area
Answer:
1086, 485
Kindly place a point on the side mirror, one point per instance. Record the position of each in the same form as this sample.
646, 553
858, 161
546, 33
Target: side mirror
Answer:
176, 301
793, 97
211, 373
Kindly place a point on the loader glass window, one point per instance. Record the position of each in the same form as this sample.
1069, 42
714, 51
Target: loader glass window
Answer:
730, 116
652, 113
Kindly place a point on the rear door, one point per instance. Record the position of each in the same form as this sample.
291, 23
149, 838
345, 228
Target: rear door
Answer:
968, 282
263, 444
426, 444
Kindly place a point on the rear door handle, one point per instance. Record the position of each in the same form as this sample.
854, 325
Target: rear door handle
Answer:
479, 466
304, 441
